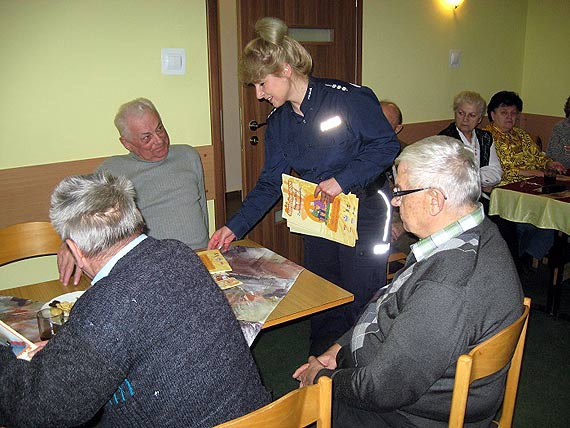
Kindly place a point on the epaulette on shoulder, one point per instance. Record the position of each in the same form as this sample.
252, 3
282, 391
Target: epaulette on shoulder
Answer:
341, 86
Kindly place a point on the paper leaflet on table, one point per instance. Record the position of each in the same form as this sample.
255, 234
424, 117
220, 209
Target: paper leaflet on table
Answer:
225, 280
306, 214
20, 344
214, 261
219, 268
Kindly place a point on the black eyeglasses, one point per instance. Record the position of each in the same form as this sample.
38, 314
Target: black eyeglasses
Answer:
397, 193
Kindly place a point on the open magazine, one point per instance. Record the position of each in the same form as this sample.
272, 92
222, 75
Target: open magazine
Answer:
20, 344
336, 221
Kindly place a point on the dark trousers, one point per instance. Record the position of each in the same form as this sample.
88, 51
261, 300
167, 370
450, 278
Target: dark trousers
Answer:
345, 416
356, 269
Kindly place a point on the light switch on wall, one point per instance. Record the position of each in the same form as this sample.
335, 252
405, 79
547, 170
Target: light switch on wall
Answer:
454, 58
173, 60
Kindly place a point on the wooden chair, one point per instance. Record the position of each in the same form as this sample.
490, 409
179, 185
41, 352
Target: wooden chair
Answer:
25, 240
487, 358
395, 262
297, 409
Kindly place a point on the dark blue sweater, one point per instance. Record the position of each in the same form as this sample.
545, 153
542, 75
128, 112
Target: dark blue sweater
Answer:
155, 343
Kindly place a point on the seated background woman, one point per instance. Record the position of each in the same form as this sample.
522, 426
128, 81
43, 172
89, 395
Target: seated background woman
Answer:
520, 157
559, 145
469, 108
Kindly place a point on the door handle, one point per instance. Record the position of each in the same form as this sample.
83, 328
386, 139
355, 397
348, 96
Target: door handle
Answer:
253, 125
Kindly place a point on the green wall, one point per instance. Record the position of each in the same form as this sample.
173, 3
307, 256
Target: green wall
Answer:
67, 66
546, 74
406, 51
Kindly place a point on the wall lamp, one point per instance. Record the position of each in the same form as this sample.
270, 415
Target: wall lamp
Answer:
454, 3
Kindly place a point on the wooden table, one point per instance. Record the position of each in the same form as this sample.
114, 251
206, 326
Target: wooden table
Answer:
522, 202
309, 294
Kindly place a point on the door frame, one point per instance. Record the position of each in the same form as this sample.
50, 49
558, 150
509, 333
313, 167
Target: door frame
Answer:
216, 113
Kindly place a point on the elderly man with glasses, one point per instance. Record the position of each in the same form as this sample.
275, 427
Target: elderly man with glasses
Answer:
396, 366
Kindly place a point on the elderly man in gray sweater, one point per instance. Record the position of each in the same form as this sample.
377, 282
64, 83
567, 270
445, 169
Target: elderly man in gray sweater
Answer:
459, 287
169, 180
152, 343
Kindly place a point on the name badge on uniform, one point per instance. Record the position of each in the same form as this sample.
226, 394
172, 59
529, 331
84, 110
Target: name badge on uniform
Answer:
331, 123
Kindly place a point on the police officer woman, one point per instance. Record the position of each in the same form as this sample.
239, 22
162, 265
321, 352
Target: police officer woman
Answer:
331, 133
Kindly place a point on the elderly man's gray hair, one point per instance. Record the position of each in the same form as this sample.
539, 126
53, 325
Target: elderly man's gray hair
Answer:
135, 107
96, 211
446, 164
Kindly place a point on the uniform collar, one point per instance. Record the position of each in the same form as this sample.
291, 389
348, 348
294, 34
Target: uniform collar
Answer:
310, 97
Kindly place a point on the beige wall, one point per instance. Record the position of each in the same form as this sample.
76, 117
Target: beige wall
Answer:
406, 51
546, 74
68, 65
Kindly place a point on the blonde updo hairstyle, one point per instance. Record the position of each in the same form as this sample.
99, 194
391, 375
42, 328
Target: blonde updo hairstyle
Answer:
267, 53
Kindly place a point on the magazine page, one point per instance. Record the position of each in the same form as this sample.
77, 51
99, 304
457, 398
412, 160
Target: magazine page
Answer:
306, 214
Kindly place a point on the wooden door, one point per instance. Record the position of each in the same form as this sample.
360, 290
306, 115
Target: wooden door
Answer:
338, 56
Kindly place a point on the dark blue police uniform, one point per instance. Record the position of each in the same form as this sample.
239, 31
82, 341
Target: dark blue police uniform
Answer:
343, 134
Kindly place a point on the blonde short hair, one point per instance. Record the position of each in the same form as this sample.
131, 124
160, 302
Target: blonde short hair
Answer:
470, 97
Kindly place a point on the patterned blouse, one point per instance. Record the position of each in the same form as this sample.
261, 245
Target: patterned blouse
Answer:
516, 151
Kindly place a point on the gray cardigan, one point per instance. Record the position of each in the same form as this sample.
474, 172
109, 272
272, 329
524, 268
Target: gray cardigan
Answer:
453, 300
155, 343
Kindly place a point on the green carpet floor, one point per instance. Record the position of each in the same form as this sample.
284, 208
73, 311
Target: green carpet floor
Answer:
544, 389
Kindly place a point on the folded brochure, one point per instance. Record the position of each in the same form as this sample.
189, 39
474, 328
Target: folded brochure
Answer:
336, 221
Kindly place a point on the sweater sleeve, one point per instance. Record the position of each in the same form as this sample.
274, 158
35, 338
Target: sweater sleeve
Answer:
555, 148
491, 174
197, 166
65, 384
422, 343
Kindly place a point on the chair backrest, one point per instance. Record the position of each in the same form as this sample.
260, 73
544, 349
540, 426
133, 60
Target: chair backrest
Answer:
395, 262
297, 409
25, 240
487, 358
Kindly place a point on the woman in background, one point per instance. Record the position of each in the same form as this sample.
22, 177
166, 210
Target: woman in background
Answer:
559, 145
469, 108
331, 133
519, 155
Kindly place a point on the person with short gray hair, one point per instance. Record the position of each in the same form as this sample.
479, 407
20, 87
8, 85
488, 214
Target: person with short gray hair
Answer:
469, 109
458, 288
150, 343
436, 163
95, 211
169, 180
136, 107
